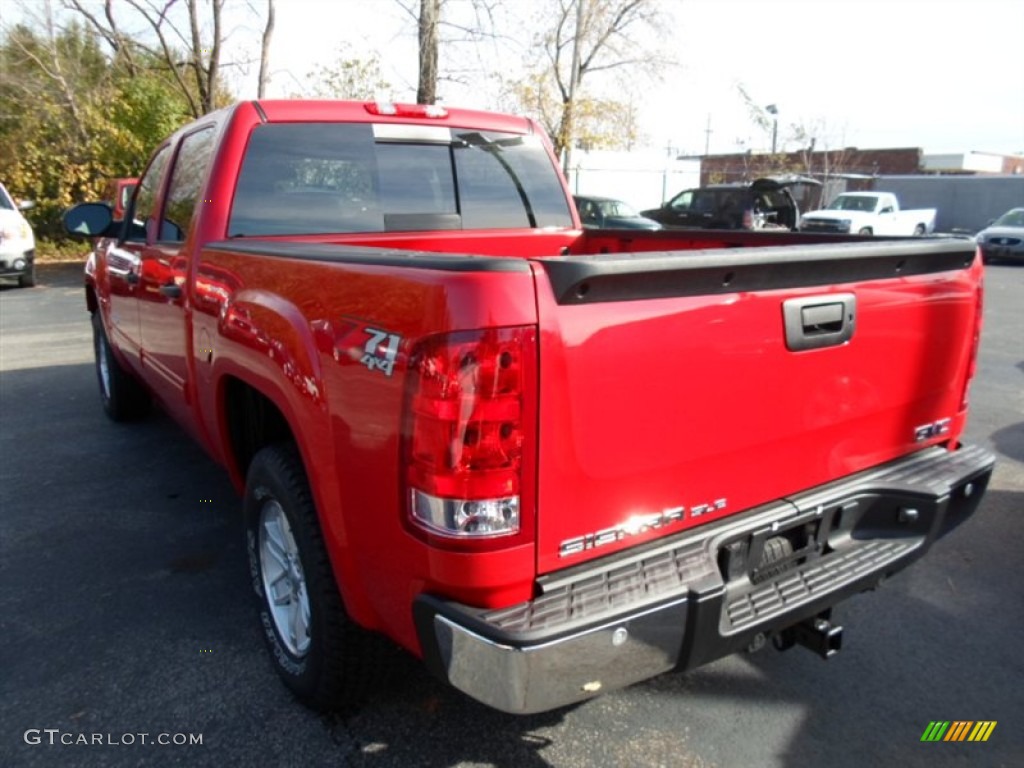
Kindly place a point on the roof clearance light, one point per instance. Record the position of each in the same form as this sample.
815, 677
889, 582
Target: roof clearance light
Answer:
406, 110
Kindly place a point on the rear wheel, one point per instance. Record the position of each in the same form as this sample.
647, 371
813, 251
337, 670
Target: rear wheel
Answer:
318, 652
919, 230
123, 397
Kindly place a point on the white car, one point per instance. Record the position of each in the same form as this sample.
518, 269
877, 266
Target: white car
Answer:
869, 213
17, 243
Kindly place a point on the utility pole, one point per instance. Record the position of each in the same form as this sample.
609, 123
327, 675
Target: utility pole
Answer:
707, 136
772, 110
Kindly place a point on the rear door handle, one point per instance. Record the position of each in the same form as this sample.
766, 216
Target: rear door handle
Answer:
813, 322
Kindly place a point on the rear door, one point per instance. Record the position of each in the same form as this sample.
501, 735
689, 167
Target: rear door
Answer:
698, 208
164, 272
124, 259
678, 388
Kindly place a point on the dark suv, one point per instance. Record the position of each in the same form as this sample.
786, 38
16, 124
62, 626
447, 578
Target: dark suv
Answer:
761, 204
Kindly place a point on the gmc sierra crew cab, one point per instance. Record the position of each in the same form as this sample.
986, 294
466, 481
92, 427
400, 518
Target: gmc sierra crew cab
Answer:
550, 461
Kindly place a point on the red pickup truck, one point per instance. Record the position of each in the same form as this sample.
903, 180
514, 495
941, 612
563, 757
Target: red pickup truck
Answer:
549, 461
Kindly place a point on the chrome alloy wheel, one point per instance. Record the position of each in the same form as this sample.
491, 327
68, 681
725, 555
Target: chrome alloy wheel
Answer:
284, 584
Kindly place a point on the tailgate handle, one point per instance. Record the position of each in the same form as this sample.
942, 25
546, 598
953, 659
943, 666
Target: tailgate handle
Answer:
813, 322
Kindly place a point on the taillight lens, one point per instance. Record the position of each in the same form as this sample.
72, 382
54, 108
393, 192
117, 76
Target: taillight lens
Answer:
466, 426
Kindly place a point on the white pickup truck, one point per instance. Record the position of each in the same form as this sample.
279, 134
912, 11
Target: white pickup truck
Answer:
869, 213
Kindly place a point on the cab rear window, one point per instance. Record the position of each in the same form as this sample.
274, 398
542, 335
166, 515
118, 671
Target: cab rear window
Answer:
323, 178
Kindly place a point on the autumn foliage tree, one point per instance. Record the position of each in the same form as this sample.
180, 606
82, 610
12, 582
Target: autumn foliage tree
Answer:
88, 89
71, 117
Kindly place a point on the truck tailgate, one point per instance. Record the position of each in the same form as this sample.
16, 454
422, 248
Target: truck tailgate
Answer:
680, 388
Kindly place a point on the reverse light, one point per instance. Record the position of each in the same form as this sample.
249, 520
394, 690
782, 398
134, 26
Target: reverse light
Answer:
464, 517
466, 425
405, 110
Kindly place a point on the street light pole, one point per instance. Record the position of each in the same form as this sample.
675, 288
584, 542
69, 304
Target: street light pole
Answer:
772, 110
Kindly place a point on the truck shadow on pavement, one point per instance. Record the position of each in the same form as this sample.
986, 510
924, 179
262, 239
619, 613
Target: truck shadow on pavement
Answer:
1009, 441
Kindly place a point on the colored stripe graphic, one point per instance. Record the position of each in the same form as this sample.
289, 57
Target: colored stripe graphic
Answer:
958, 730
935, 730
982, 730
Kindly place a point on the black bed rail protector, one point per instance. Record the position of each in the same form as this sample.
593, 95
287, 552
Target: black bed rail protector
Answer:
665, 274
359, 254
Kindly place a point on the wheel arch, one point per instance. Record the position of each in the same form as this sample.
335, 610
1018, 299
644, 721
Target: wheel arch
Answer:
254, 416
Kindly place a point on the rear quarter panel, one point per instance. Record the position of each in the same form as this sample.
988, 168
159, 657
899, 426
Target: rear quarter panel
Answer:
296, 329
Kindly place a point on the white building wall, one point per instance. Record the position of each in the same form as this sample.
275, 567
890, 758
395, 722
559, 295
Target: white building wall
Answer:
642, 179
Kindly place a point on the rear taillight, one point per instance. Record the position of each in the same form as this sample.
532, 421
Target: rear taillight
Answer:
972, 358
468, 420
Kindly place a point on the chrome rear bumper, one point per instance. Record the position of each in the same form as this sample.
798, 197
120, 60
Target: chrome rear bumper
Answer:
701, 594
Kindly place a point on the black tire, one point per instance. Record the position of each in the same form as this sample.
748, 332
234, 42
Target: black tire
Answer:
327, 663
920, 230
865, 232
122, 396
28, 279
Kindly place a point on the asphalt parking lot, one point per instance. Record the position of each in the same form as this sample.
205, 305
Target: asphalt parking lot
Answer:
125, 610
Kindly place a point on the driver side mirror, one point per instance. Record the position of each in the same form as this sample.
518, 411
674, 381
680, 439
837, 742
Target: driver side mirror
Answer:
90, 220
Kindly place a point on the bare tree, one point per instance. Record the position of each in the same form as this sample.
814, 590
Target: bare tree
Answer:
589, 36
444, 25
268, 32
349, 76
193, 62
109, 31
52, 66
429, 18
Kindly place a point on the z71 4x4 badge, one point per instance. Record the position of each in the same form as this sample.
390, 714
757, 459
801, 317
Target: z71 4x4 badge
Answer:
380, 350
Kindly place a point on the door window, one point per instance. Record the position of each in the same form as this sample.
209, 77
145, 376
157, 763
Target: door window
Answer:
186, 184
142, 219
683, 202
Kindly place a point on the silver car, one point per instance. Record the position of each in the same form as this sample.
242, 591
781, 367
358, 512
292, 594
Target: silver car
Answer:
1003, 238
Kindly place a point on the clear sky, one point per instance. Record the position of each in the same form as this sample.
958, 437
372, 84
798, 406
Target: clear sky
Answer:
944, 75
